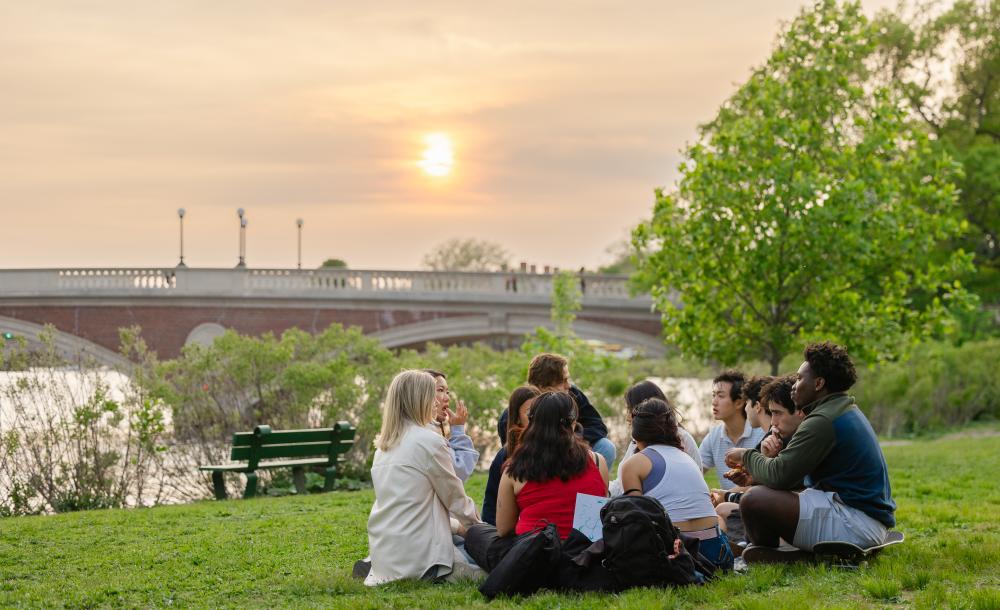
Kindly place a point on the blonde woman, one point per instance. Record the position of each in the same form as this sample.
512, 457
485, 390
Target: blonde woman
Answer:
416, 491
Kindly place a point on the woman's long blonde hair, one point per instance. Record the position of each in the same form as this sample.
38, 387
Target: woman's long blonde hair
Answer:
410, 399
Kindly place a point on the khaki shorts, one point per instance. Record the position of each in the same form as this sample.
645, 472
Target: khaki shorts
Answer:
823, 517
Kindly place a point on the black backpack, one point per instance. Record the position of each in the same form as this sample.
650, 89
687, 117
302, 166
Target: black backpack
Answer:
638, 542
528, 566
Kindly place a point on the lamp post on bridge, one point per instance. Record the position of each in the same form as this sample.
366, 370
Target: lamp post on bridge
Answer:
299, 224
180, 216
243, 239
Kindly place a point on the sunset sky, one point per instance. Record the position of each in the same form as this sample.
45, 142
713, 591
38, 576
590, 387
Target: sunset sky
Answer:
562, 117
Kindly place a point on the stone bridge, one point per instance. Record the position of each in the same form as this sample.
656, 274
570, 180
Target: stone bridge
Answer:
176, 306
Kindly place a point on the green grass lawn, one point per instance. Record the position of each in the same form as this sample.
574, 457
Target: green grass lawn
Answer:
298, 552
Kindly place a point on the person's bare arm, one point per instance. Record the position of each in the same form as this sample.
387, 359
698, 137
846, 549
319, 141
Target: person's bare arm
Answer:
634, 472
506, 506
603, 466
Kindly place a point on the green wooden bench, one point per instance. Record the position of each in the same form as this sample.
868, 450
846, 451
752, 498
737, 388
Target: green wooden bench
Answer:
313, 447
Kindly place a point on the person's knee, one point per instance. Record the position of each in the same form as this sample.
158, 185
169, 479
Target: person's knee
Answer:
726, 508
478, 539
606, 448
753, 502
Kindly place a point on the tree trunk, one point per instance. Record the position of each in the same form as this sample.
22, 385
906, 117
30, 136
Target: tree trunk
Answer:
775, 361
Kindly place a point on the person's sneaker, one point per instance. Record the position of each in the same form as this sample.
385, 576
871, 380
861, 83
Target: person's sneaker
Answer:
768, 554
361, 569
739, 566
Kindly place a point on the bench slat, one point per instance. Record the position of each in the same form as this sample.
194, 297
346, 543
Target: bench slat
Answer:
284, 451
282, 437
271, 464
224, 467
289, 463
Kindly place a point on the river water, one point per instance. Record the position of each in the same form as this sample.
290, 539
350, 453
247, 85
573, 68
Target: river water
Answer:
58, 392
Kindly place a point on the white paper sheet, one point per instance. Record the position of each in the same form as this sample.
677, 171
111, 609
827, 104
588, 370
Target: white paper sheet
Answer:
587, 515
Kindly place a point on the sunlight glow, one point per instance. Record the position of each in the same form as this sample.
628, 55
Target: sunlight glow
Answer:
439, 156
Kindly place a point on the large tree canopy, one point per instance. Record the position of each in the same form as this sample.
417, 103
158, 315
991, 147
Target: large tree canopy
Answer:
947, 62
809, 207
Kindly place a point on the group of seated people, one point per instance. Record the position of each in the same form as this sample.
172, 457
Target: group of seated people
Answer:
797, 462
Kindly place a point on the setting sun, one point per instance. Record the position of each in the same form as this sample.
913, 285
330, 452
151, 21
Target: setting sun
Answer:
438, 156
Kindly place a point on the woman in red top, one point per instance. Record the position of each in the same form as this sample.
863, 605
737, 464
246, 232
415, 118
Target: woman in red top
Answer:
541, 480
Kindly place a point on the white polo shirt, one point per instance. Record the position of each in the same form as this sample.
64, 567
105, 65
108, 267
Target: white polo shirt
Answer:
716, 443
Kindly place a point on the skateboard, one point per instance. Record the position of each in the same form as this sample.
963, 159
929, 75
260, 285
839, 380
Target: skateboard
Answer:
845, 551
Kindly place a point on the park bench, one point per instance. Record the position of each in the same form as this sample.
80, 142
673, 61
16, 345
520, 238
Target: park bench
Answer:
266, 449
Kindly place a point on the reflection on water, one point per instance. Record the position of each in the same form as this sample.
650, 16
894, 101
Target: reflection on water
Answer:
692, 397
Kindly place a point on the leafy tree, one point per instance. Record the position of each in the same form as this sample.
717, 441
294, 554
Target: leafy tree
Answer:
807, 208
467, 255
623, 257
948, 65
334, 263
566, 301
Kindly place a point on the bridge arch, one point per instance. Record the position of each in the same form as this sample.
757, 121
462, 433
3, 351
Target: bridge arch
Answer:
516, 325
68, 345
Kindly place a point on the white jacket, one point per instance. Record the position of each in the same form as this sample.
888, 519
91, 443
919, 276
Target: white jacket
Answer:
416, 488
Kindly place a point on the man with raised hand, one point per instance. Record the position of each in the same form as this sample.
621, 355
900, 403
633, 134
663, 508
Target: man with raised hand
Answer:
849, 498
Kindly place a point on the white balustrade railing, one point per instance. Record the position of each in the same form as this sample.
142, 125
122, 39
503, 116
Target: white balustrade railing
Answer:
332, 283
113, 278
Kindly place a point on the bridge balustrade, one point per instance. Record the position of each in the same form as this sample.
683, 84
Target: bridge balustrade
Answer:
318, 282
116, 278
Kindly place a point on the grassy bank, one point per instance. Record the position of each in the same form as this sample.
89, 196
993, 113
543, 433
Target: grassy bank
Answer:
297, 552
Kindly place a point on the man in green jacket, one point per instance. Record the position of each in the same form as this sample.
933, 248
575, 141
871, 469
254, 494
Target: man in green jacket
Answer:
834, 453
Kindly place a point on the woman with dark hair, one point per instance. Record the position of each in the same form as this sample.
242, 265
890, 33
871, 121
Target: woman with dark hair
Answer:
518, 406
663, 471
540, 480
633, 397
463, 455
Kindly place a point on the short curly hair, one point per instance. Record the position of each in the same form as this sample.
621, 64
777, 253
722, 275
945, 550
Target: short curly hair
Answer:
831, 362
753, 386
778, 390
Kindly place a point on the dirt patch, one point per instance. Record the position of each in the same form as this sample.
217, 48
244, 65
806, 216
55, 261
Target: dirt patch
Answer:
971, 433
896, 443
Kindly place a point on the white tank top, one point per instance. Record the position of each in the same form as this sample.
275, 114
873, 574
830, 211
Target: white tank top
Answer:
677, 483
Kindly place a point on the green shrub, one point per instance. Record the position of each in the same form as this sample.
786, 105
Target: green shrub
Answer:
940, 386
77, 436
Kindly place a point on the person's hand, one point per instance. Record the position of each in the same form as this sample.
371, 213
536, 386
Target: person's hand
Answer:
718, 496
741, 478
734, 457
677, 548
460, 415
771, 446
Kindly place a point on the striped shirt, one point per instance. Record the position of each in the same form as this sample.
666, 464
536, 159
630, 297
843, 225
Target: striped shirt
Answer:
716, 443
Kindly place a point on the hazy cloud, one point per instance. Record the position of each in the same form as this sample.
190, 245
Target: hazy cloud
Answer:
565, 116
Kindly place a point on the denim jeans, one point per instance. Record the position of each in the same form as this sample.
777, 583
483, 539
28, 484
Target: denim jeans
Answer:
717, 550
